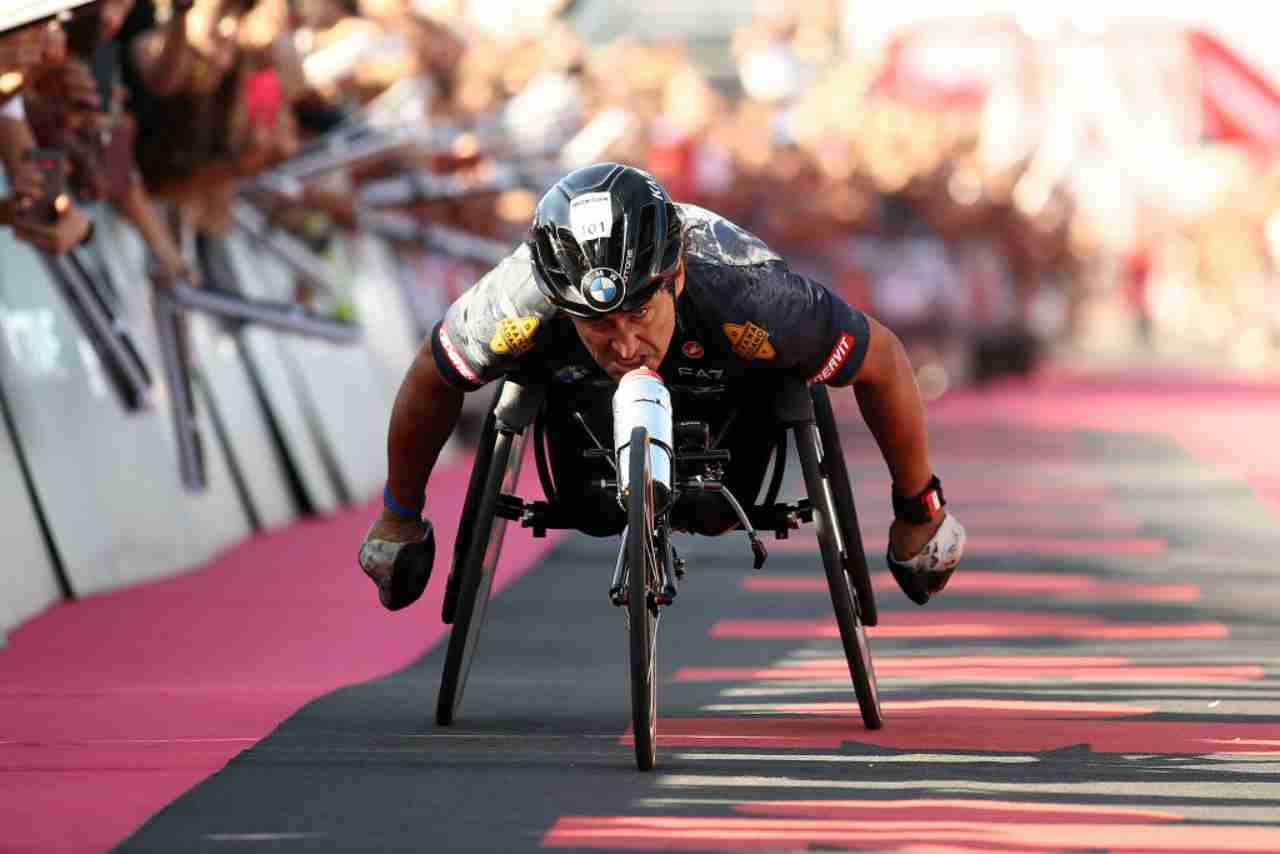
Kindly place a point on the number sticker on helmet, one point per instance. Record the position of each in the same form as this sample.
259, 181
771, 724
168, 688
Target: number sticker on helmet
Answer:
591, 216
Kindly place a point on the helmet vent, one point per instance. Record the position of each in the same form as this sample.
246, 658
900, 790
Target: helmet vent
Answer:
646, 238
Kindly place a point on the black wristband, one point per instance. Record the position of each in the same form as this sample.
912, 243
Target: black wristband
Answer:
922, 507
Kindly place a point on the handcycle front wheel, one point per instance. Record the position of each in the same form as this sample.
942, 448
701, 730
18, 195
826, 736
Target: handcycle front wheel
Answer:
853, 636
475, 564
642, 610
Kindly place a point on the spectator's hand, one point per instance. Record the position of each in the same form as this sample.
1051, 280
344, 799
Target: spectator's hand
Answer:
79, 88
26, 184
12, 208
171, 267
69, 231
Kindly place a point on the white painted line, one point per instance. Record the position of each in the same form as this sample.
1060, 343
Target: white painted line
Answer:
932, 758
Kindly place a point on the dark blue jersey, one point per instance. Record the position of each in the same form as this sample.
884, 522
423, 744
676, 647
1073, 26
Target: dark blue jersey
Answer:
743, 318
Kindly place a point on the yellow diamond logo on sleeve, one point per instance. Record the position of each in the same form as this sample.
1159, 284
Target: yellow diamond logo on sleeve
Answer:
749, 341
514, 336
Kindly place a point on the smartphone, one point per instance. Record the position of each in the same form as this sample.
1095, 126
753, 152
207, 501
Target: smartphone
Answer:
52, 163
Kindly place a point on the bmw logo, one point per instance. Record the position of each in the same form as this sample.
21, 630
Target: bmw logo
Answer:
602, 287
602, 290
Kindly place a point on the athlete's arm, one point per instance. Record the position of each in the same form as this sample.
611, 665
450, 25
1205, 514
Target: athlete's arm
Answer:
423, 417
885, 386
399, 549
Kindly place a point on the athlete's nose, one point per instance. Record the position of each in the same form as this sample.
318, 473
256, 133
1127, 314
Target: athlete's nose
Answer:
625, 343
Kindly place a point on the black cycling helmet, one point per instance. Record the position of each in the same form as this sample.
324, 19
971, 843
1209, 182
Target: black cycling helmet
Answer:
604, 238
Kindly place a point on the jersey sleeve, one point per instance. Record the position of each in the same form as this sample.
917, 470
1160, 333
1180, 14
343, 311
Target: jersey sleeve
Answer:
493, 326
820, 336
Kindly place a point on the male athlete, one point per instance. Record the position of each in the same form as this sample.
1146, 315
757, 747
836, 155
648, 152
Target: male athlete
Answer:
615, 276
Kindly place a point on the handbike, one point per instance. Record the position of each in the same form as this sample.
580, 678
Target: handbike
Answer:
654, 464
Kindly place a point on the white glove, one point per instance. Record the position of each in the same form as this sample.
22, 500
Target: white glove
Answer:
927, 572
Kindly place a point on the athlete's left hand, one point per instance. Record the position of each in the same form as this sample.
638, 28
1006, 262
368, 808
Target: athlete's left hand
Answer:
925, 570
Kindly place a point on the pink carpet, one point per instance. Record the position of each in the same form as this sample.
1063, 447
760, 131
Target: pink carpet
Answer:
1226, 423
113, 706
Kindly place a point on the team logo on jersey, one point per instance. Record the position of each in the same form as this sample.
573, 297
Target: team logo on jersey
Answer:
749, 341
693, 350
602, 286
839, 355
571, 373
514, 336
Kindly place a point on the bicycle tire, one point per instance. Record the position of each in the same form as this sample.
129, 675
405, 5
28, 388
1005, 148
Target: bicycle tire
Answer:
853, 635
470, 502
476, 580
642, 620
855, 555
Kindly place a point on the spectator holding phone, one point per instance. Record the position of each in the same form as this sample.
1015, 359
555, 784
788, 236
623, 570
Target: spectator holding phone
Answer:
80, 107
38, 208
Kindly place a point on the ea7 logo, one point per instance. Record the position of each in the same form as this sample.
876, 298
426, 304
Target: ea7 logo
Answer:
701, 373
839, 354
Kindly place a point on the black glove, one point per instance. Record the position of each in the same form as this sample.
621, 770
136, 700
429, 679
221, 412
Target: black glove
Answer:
401, 570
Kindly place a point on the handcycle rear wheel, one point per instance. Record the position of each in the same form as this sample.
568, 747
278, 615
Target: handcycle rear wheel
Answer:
476, 561
855, 556
853, 636
642, 617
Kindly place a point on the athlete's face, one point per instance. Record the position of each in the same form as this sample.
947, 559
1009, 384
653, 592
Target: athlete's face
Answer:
625, 340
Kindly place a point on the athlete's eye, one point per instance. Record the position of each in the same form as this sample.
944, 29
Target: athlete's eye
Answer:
640, 313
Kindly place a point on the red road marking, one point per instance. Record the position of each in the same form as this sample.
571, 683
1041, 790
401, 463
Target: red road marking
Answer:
1010, 671
981, 730
975, 624
1066, 586
1024, 520
944, 809
988, 492
682, 833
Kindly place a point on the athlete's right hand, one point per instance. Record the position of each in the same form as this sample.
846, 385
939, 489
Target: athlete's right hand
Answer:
398, 553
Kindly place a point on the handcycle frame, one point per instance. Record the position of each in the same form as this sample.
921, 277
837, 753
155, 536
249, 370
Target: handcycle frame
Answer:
490, 502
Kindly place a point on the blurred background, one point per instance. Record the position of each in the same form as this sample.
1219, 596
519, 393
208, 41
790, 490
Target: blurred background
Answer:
228, 223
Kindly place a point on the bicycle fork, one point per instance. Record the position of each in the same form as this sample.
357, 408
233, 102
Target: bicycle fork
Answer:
672, 571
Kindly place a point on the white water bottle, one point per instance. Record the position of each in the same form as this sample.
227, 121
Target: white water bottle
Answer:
642, 400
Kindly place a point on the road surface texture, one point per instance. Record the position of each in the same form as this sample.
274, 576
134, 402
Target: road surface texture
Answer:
1101, 674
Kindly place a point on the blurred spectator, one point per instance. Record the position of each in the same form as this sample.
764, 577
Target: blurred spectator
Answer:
38, 207
80, 108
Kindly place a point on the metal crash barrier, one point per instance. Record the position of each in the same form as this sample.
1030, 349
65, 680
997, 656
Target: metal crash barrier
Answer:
147, 424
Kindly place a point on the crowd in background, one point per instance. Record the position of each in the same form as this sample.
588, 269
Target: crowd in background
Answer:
982, 226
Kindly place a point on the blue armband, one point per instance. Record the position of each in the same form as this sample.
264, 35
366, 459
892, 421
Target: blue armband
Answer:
389, 502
